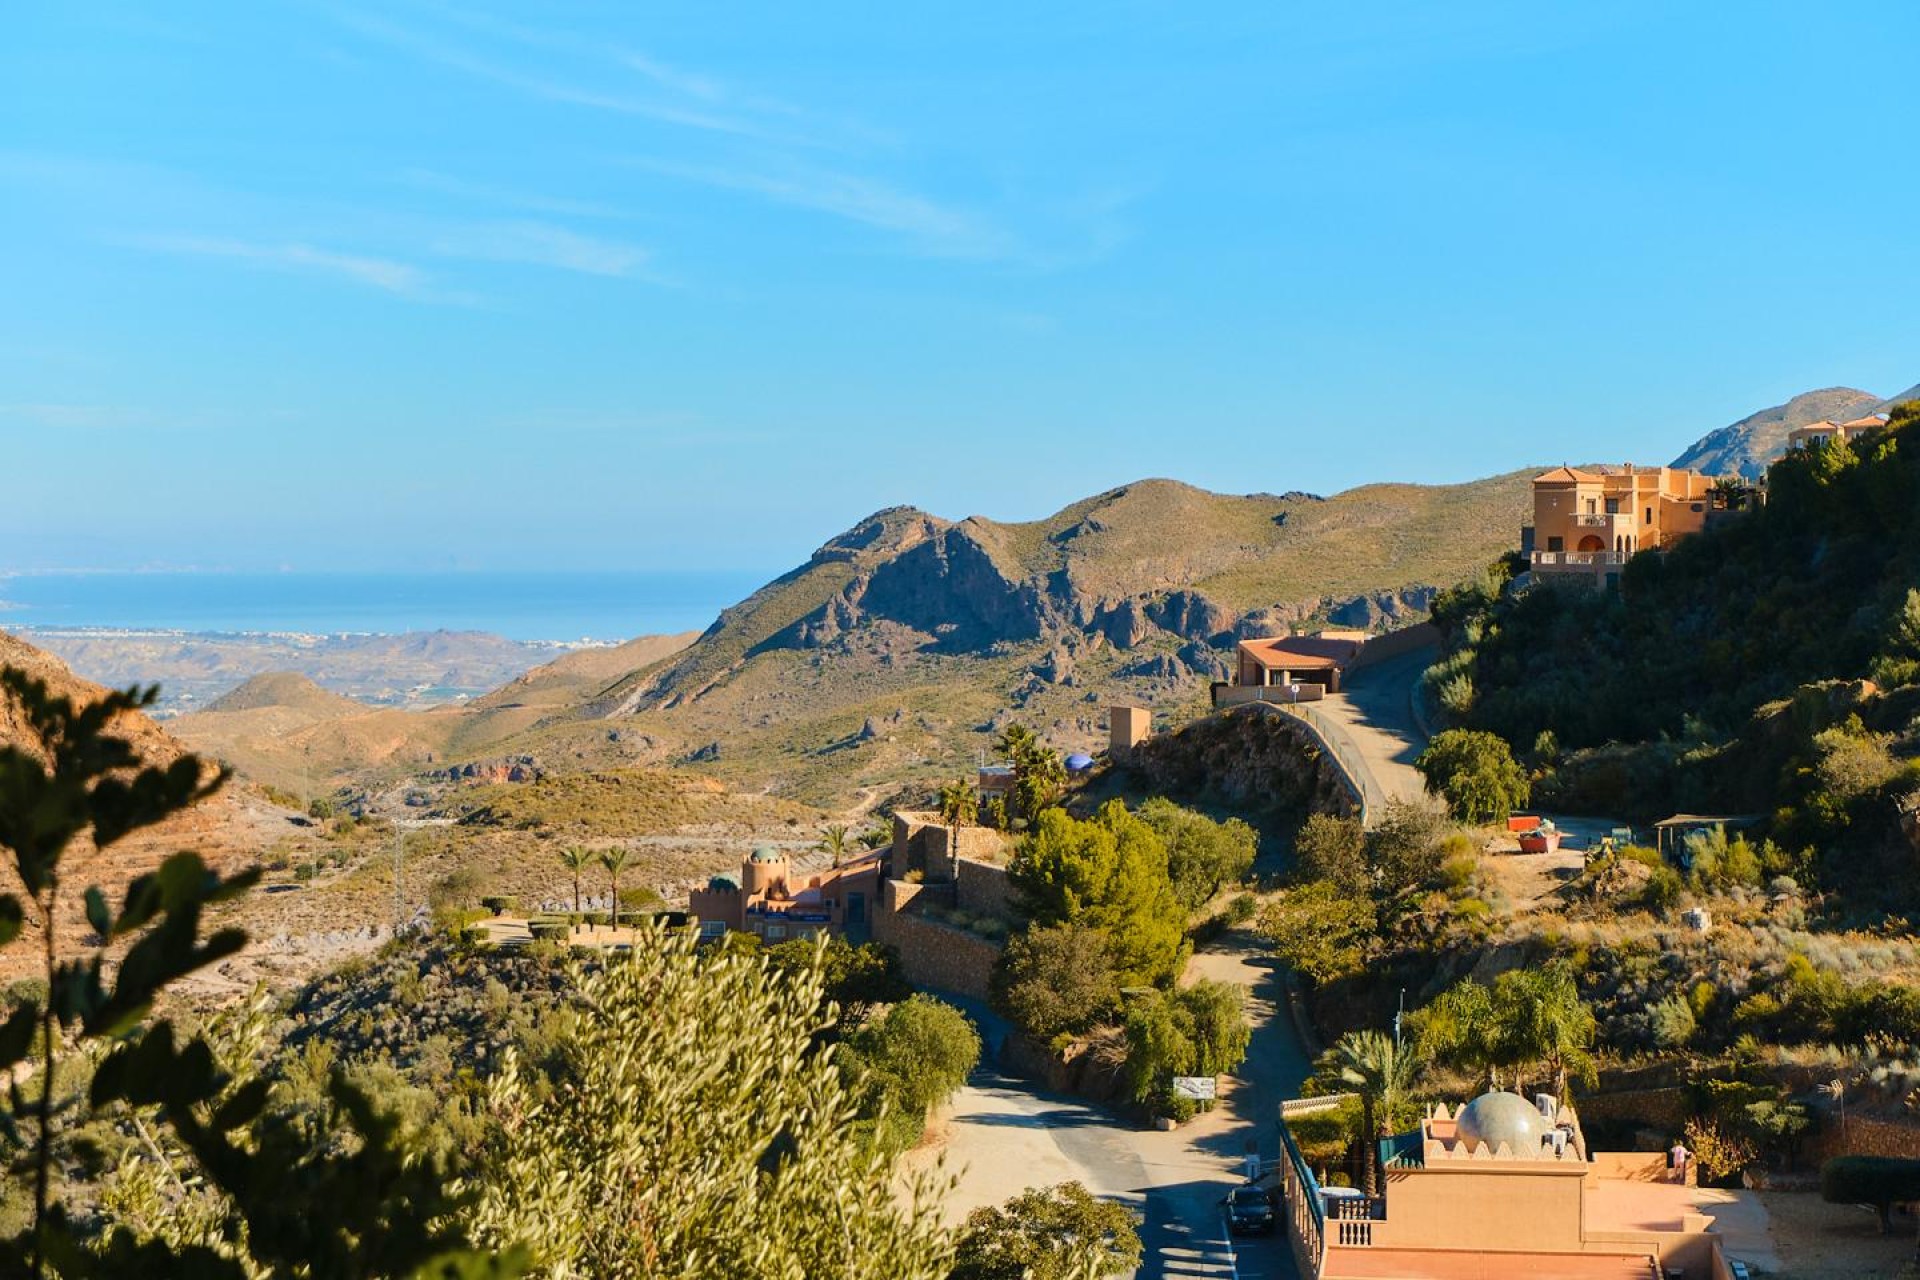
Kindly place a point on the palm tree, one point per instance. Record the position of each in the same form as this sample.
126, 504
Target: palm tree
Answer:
1459, 1027
836, 841
575, 858
615, 861
1370, 1064
1543, 1020
959, 804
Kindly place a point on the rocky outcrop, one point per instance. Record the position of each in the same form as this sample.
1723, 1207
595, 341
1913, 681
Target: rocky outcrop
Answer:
504, 769
1251, 757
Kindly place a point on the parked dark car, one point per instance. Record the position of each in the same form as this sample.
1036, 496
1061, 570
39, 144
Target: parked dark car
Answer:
1249, 1211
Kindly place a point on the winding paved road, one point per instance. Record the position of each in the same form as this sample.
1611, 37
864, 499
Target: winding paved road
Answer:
1375, 714
1004, 1136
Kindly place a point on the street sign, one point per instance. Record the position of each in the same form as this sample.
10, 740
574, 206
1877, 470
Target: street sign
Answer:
1199, 1088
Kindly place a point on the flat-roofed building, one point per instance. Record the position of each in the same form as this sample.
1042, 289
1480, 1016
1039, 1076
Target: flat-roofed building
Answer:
1503, 1187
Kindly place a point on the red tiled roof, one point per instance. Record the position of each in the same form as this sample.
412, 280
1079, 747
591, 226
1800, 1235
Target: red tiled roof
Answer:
1566, 475
1302, 652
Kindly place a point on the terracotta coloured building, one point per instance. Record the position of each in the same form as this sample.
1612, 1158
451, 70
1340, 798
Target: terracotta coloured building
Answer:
1815, 434
1588, 522
1505, 1187
769, 900
1320, 659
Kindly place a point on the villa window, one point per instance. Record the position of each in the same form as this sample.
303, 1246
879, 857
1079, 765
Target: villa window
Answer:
1649, 515
776, 931
1556, 544
1613, 506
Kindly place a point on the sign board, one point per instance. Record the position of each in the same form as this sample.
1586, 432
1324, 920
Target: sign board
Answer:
1199, 1088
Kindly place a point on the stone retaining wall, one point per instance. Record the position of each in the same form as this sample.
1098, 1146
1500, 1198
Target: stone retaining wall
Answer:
931, 954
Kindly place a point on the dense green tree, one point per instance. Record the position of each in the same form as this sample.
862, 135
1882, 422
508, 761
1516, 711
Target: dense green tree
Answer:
1460, 1027
1333, 849
1381, 1071
1108, 873
1203, 856
1220, 1030
1054, 980
911, 1060
1404, 850
1319, 931
1879, 1182
1198, 1030
855, 979
1476, 774
699, 1130
1057, 1233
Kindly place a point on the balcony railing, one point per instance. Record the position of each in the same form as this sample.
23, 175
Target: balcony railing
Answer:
1600, 521
1577, 559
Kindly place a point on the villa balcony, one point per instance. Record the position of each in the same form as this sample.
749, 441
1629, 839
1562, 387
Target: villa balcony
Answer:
1551, 560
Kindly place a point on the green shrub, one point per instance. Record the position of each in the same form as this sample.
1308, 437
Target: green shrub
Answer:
1876, 1181
1476, 774
497, 904
1241, 908
1169, 1105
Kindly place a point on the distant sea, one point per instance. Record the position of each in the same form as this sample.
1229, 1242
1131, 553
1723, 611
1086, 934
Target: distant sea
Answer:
521, 606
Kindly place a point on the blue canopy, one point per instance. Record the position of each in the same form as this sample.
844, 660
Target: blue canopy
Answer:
1079, 762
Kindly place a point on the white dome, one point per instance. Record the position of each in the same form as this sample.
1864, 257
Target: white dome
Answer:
1494, 1118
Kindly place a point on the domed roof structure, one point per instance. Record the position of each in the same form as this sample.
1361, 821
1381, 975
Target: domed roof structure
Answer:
1494, 1118
766, 853
722, 884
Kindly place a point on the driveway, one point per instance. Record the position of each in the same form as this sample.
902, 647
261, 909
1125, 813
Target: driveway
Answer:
1374, 712
1003, 1137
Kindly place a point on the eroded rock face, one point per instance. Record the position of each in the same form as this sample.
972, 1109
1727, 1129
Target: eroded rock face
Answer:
1252, 757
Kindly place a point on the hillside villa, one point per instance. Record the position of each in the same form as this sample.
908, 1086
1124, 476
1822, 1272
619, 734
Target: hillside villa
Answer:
1503, 1187
768, 900
1588, 522
1816, 434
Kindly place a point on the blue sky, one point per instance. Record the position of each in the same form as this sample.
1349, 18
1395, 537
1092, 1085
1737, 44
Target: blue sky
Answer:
413, 285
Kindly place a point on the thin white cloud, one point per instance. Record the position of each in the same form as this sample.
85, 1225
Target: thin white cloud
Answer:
507, 197
935, 228
538, 85
544, 245
386, 274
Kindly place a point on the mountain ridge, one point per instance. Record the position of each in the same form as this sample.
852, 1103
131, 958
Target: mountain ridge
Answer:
1746, 448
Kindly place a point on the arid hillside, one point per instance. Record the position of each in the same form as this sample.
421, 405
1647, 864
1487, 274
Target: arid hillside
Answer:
229, 830
284, 731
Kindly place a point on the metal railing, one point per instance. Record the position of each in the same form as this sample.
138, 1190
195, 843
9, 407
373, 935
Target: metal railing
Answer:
1579, 557
1333, 740
1306, 1216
